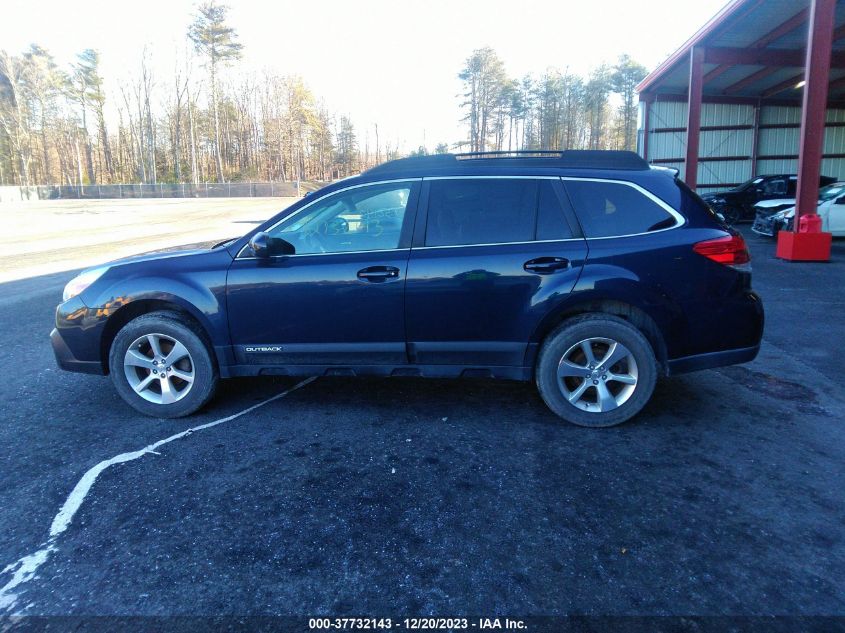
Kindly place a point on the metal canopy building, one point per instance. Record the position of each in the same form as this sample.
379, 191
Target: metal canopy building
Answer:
759, 89
751, 57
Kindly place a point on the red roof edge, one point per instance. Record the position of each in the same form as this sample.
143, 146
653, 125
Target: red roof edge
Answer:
683, 52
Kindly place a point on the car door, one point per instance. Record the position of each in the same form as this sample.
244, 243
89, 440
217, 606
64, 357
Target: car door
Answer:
490, 256
836, 217
339, 299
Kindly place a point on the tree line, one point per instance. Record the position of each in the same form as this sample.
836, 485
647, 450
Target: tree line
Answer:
201, 124
558, 110
190, 127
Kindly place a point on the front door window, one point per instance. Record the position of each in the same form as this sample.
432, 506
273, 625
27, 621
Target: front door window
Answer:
367, 218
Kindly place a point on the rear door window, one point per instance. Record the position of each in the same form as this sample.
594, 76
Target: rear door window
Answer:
467, 211
607, 209
551, 220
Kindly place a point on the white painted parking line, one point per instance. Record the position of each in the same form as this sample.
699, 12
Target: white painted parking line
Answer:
24, 569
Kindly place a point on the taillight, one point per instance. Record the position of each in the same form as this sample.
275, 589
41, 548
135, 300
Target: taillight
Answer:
729, 250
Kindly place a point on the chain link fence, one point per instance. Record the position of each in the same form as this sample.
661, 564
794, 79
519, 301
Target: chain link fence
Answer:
161, 190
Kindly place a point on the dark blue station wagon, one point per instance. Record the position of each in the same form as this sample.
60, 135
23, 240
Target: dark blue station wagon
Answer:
590, 273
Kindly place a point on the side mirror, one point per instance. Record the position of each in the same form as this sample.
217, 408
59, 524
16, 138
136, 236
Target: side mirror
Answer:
265, 246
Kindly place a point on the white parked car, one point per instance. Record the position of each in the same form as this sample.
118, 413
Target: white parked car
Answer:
778, 215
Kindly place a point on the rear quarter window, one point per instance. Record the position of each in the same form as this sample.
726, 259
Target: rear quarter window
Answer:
608, 209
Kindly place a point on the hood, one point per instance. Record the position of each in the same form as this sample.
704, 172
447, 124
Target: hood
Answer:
725, 195
166, 253
780, 202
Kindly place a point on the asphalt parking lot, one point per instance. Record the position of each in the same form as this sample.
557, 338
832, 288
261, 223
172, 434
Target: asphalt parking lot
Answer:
405, 497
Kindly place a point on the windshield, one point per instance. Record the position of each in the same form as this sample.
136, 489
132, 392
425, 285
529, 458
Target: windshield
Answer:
831, 191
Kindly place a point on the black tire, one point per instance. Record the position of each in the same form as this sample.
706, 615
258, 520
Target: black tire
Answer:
595, 326
201, 363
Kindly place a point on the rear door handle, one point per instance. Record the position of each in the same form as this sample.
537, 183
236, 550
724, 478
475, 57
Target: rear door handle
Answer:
377, 274
546, 265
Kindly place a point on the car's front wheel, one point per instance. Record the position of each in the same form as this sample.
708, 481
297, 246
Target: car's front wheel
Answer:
161, 366
596, 370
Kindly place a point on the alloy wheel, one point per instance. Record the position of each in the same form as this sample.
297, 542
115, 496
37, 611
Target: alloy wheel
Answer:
597, 375
159, 368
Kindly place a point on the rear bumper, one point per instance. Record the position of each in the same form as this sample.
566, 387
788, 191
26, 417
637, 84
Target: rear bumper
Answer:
713, 359
732, 336
67, 361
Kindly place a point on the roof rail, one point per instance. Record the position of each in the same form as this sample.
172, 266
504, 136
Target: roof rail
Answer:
570, 159
603, 159
517, 153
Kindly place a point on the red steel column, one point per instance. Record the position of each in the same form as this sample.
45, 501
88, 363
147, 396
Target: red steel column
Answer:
811, 246
817, 76
696, 86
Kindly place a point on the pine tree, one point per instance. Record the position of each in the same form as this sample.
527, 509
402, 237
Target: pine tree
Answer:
484, 79
347, 147
90, 84
218, 43
626, 75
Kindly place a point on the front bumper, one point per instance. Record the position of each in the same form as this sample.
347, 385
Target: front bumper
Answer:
67, 361
764, 225
76, 338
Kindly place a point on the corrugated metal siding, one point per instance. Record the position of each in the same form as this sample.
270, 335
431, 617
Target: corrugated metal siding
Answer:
726, 114
738, 143
834, 140
834, 167
777, 166
725, 143
835, 116
778, 141
668, 114
776, 115
667, 145
728, 171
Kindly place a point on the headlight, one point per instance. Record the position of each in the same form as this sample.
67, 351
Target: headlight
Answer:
717, 201
81, 282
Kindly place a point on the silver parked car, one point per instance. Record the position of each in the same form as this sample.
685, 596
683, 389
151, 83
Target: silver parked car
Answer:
772, 216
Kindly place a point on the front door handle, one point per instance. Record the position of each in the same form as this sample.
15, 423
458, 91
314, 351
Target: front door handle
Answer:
377, 274
546, 265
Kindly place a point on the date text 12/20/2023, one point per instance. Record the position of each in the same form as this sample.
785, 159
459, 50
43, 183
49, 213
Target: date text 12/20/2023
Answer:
416, 624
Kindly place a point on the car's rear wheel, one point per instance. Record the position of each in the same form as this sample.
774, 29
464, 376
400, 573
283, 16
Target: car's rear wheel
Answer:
161, 366
596, 370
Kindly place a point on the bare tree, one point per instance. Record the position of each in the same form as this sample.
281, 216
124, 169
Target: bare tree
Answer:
14, 113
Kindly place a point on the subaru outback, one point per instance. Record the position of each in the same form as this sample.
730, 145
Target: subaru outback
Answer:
590, 273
